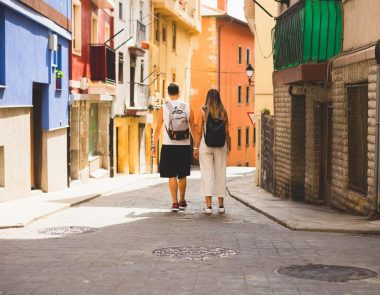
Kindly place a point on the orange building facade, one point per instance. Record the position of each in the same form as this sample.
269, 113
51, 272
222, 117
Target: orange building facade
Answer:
220, 56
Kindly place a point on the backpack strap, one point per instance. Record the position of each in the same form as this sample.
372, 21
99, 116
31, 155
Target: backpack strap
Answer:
169, 106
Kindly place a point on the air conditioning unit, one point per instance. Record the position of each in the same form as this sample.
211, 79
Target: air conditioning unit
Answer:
53, 42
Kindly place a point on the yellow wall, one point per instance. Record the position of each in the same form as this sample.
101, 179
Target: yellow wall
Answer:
261, 25
170, 63
127, 158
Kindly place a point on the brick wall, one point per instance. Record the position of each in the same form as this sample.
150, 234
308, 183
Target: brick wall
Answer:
282, 146
342, 197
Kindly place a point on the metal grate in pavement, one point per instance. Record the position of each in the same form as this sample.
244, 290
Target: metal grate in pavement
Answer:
194, 253
330, 273
67, 230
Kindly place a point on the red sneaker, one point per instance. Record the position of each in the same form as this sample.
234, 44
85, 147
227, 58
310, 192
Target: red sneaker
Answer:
182, 205
175, 207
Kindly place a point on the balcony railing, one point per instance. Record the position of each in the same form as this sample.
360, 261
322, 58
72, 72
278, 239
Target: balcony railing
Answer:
310, 31
181, 10
139, 96
140, 33
102, 63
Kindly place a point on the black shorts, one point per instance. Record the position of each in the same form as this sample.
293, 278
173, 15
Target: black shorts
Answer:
175, 161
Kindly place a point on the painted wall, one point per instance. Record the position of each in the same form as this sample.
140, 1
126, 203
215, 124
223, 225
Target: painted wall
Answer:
80, 64
131, 10
54, 163
15, 139
63, 6
28, 60
204, 64
205, 76
171, 62
360, 31
233, 74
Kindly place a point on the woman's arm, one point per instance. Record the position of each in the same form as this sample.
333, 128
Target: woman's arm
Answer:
199, 129
228, 137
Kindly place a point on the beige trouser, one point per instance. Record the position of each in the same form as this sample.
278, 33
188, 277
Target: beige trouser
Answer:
213, 170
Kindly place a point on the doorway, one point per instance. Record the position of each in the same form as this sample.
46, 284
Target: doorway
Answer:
324, 113
298, 140
36, 136
132, 80
142, 157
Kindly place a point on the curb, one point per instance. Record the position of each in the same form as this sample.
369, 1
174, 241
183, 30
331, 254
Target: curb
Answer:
306, 229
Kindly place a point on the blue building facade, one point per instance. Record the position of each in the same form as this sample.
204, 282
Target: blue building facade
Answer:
34, 95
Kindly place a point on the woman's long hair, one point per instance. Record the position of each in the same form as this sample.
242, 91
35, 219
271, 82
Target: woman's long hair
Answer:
214, 106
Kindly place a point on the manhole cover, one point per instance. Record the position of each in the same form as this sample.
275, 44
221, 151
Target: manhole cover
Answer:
67, 230
330, 273
194, 253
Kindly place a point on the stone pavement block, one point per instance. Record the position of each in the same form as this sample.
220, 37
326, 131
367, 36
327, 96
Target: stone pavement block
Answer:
296, 215
118, 258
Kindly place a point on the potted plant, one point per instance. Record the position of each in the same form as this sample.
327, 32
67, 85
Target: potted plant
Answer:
58, 79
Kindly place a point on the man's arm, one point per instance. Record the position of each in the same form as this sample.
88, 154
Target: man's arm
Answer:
192, 127
157, 132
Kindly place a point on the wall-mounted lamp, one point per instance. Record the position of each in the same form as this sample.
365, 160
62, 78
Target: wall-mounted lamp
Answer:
250, 70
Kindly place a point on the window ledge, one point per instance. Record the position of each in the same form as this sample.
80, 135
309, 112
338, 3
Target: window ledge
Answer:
3, 86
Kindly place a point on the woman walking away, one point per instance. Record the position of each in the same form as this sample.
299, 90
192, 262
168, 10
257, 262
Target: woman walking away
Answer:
211, 148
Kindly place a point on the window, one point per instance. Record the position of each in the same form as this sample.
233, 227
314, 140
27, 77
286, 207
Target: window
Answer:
239, 94
247, 95
107, 32
164, 88
174, 78
240, 53
121, 67
248, 56
142, 71
357, 102
247, 136
239, 137
2, 171
174, 45
58, 82
77, 27
157, 28
164, 34
247, 163
94, 29
121, 10
254, 136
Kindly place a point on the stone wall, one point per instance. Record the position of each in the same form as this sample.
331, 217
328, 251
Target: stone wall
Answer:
342, 197
282, 146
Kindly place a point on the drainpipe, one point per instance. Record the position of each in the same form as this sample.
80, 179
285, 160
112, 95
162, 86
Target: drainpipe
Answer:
377, 134
111, 147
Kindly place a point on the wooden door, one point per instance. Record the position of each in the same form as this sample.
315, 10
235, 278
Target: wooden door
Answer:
36, 137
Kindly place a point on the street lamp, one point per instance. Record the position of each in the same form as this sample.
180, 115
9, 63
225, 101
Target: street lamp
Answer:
250, 70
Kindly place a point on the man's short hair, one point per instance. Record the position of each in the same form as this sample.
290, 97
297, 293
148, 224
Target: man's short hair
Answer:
173, 89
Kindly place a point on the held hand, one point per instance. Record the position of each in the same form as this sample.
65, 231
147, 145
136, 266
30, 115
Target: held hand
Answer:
154, 152
196, 154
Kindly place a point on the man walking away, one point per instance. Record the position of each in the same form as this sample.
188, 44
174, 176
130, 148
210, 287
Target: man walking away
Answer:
176, 153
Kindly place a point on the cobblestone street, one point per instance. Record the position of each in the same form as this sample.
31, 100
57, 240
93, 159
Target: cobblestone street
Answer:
132, 222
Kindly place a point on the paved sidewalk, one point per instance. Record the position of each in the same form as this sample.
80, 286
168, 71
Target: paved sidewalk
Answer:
296, 215
23, 211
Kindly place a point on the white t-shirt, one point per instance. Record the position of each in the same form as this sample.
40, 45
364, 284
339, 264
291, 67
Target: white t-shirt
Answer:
165, 112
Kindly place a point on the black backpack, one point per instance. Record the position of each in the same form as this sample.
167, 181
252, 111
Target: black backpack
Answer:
215, 135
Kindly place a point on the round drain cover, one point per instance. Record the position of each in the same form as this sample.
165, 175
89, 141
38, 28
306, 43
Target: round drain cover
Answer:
330, 273
194, 253
67, 230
